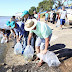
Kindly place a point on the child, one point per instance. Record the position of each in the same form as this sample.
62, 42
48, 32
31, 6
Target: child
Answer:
6, 34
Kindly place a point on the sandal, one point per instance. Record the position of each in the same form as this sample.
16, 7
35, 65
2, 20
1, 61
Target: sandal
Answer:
39, 64
36, 59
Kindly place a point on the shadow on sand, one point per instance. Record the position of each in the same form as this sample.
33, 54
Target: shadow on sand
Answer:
63, 53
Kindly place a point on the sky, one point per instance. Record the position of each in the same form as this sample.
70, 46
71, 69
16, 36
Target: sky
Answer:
10, 7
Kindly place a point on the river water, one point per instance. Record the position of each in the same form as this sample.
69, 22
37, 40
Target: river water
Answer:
3, 47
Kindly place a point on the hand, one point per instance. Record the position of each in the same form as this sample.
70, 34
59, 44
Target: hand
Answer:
44, 51
18, 40
28, 43
14, 36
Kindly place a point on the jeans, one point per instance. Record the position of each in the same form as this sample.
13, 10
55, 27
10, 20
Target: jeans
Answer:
32, 42
25, 42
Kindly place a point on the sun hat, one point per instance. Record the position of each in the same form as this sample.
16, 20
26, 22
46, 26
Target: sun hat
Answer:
30, 24
8, 23
12, 24
24, 13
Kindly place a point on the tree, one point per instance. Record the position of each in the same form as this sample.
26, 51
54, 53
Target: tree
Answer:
31, 10
37, 9
45, 5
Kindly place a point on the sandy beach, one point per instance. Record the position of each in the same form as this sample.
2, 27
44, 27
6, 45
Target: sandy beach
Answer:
61, 45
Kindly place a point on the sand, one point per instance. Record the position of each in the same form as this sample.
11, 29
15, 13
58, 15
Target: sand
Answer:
61, 45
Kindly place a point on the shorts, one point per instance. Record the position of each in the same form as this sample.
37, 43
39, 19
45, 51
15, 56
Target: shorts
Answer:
41, 42
7, 32
38, 19
62, 21
46, 19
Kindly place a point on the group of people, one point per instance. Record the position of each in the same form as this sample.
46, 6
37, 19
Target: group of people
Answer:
32, 31
54, 16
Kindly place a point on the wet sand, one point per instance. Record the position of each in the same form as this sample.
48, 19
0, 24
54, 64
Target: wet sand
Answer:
61, 46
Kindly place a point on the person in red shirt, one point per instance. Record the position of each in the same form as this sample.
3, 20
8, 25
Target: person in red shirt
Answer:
38, 16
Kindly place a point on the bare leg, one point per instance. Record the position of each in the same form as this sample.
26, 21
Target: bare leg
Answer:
61, 26
37, 51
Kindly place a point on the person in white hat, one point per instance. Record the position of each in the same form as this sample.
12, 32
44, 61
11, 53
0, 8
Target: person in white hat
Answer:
44, 33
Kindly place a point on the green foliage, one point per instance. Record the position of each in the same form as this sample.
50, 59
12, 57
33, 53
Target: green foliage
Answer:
46, 5
43, 6
37, 9
31, 10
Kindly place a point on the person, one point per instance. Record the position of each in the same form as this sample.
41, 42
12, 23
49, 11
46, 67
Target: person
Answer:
56, 9
21, 25
12, 32
44, 33
51, 16
57, 17
17, 30
25, 15
35, 15
38, 16
13, 19
6, 33
54, 17
46, 17
63, 15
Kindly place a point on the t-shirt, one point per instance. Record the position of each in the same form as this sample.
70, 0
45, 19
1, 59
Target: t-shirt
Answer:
36, 16
18, 29
46, 15
42, 30
21, 25
51, 15
63, 14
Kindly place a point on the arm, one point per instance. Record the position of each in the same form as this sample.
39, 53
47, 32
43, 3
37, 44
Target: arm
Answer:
20, 37
14, 33
66, 16
59, 16
29, 38
46, 45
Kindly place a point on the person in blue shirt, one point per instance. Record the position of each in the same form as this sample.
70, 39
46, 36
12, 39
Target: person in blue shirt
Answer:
21, 25
46, 17
17, 30
25, 15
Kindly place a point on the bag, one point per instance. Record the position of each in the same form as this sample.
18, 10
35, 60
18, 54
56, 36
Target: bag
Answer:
4, 40
18, 48
50, 58
58, 23
66, 22
28, 52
